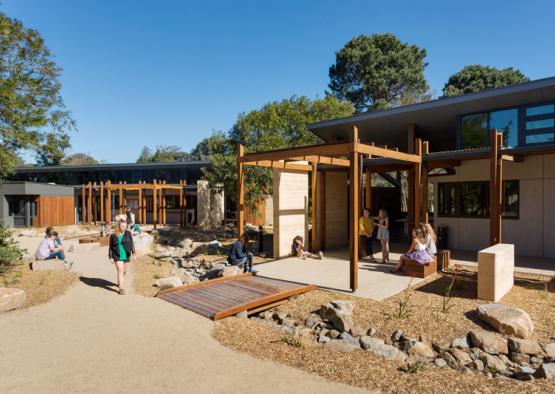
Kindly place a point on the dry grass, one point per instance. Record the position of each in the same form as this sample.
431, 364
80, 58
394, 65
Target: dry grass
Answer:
39, 286
425, 316
147, 271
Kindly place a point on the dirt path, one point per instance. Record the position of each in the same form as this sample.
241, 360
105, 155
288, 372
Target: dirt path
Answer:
92, 340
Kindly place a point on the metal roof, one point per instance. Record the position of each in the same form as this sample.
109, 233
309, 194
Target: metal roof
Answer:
116, 166
435, 119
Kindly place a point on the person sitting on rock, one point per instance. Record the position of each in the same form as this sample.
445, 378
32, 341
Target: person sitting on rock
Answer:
239, 255
298, 249
57, 241
48, 249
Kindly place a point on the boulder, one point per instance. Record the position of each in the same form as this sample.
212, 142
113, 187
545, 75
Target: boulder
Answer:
357, 331
478, 365
169, 283
242, 315
462, 357
421, 351
549, 350
339, 314
186, 277
311, 320
379, 348
520, 358
507, 319
371, 332
525, 346
323, 339
231, 270
489, 342
11, 298
523, 373
333, 334
342, 344
397, 335
545, 371
493, 363
49, 265
440, 363
461, 342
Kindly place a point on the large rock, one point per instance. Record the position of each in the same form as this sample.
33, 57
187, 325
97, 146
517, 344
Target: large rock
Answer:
525, 346
546, 371
169, 283
339, 314
231, 270
462, 357
493, 363
11, 299
507, 319
489, 342
49, 265
549, 349
421, 351
344, 345
186, 277
142, 242
380, 348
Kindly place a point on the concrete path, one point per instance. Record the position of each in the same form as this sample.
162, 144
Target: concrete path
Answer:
374, 279
92, 340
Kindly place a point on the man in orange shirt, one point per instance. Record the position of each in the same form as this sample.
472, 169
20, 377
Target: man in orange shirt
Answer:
366, 232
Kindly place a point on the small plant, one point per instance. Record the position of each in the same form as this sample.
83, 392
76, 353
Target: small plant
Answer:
448, 296
413, 367
402, 309
290, 340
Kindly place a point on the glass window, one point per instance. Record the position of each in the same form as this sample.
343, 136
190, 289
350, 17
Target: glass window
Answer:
540, 124
510, 199
540, 110
474, 199
474, 131
446, 202
506, 122
539, 138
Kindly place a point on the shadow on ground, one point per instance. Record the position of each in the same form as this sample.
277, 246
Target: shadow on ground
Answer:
99, 282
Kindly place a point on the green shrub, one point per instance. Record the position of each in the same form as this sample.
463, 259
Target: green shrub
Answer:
10, 252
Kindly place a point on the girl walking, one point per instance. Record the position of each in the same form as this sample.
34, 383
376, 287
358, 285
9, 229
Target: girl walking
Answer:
383, 233
121, 250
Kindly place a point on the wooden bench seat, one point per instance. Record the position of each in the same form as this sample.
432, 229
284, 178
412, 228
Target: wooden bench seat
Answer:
418, 270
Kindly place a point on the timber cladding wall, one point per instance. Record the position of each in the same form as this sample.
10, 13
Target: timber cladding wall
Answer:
55, 211
336, 209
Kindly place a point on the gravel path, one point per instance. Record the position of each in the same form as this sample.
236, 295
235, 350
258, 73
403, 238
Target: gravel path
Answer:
92, 340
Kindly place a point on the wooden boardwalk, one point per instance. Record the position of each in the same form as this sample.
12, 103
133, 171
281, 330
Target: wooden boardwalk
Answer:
227, 296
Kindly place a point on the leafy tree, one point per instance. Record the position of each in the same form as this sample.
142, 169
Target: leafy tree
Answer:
79, 159
32, 112
475, 78
276, 125
378, 71
163, 153
10, 252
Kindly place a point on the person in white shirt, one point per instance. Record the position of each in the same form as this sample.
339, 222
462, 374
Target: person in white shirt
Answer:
48, 249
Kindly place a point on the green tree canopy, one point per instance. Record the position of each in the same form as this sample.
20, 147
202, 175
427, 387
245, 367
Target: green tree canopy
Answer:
163, 153
32, 112
378, 71
79, 159
276, 125
475, 78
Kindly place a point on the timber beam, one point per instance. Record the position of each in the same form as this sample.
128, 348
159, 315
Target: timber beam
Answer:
330, 150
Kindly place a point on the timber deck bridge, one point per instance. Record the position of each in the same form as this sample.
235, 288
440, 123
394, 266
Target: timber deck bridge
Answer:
227, 296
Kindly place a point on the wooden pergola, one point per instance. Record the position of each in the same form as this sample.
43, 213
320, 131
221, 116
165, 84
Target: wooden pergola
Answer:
96, 200
346, 154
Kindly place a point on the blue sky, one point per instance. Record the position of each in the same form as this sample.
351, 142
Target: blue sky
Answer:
146, 73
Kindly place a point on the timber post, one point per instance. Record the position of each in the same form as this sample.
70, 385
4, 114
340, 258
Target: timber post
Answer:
240, 192
417, 183
101, 201
425, 212
314, 180
89, 205
120, 199
95, 208
83, 205
109, 202
154, 204
354, 208
496, 187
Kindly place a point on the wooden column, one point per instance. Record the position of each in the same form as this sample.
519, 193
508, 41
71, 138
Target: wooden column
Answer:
89, 204
368, 191
165, 205
154, 204
323, 216
240, 192
120, 205
108, 202
354, 210
425, 213
411, 132
140, 204
496, 187
83, 205
95, 208
124, 199
314, 180
102, 201
181, 203
417, 183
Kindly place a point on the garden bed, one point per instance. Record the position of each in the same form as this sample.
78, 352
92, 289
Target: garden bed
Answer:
426, 314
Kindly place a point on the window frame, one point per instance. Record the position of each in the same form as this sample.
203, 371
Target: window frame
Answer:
458, 200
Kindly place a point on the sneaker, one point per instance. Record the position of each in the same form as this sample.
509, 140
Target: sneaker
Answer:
253, 271
321, 254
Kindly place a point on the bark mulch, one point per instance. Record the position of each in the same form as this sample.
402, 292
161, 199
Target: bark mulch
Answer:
425, 315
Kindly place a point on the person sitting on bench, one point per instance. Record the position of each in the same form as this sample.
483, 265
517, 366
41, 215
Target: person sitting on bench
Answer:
239, 255
298, 250
417, 251
431, 238
48, 249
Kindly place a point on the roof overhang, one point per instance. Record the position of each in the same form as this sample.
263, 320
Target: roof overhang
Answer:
434, 119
